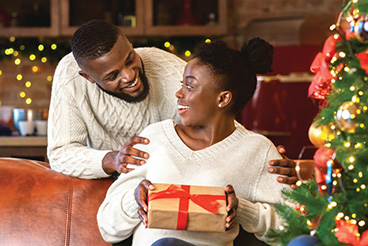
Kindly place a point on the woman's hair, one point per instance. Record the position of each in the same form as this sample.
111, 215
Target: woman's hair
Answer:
237, 70
93, 39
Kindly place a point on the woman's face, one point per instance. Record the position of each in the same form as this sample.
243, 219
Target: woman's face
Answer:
198, 96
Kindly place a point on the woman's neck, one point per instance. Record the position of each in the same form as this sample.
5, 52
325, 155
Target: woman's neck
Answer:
200, 137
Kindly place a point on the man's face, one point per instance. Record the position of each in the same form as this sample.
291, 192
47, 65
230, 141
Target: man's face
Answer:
118, 72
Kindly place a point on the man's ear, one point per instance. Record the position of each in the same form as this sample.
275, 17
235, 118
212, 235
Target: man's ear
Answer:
86, 76
224, 98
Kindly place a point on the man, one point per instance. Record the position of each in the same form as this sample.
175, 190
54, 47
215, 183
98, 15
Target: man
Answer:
105, 93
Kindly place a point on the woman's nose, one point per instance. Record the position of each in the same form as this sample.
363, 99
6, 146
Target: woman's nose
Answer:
179, 93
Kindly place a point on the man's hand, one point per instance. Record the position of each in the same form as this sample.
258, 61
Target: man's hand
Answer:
119, 160
231, 206
140, 195
286, 167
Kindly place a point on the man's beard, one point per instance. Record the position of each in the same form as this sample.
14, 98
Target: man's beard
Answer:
129, 98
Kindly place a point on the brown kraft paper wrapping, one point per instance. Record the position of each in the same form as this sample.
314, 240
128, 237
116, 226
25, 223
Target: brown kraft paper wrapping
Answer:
163, 212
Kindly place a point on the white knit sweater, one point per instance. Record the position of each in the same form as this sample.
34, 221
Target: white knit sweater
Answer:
83, 115
241, 160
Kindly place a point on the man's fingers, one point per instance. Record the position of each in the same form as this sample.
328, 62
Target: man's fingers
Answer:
288, 171
283, 163
287, 180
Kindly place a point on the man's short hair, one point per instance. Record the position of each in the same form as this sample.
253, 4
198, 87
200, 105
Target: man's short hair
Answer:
93, 39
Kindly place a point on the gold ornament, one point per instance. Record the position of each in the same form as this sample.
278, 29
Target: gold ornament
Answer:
350, 117
318, 135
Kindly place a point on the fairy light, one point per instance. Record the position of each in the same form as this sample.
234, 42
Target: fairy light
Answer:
43, 59
22, 47
1, 72
208, 40
333, 81
34, 69
361, 125
334, 182
347, 217
351, 159
353, 222
357, 189
365, 108
347, 144
332, 27
12, 39
187, 53
28, 84
351, 167
17, 61
41, 47
49, 78
28, 101
167, 44
361, 223
355, 180
363, 186
16, 53
342, 54
328, 145
355, 1
358, 145
281, 227
360, 93
340, 215
309, 223
336, 36
298, 183
323, 187
22, 94
32, 57
352, 88
53, 46
360, 174
353, 216
19, 77
346, 69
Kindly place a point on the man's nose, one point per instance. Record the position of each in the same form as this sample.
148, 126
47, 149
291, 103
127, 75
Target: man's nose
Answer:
128, 75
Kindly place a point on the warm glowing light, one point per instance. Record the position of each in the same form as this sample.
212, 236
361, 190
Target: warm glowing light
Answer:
336, 36
28, 100
361, 223
360, 93
358, 145
355, 1
12, 39
357, 189
342, 54
351, 167
309, 222
187, 53
340, 215
53, 46
360, 174
347, 144
22, 47
208, 40
32, 57
28, 84
298, 183
352, 88
1, 72
34, 69
281, 227
353, 222
347, 218
346, 69
167, 44
22, 94
49, 78
332, 27
362, 125
328, 145
19, 77
16, 53
355, 180
351, 159
363, 186
17, 61
334, 182
324, 187
43, 59
41, 47
353, 216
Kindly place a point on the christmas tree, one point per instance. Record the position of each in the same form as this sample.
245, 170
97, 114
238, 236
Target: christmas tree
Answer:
333, 208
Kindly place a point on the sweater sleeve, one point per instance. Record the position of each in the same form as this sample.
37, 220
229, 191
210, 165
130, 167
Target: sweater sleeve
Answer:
117, 216
259, 216
67, 149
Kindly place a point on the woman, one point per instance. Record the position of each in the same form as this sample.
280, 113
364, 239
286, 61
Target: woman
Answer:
208, 148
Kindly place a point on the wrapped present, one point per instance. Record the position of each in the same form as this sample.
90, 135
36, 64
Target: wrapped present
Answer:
185, 207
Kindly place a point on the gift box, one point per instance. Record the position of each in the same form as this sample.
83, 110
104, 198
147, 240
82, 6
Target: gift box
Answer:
187, 207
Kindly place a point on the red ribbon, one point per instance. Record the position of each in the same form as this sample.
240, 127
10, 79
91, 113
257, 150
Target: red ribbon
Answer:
208, 202
347, 233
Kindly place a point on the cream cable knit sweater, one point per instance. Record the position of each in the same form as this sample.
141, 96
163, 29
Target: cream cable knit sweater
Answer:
241, 160
82, 115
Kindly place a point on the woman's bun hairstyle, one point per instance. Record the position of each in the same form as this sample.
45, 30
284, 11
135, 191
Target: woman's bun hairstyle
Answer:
259, 54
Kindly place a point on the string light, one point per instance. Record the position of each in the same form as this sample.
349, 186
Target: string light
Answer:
34, 69
361, 223
49, 78
41, 47
17, 61
53, 46
19, 77
352, 88
22, 94
16, 53
43, 59
12, 39
187, 53
360, 174
28, 101
28, 84
22, 47
1, 72
32, 57
363, 186
208, 40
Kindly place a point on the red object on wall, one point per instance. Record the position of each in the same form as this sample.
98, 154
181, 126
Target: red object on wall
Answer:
282, 111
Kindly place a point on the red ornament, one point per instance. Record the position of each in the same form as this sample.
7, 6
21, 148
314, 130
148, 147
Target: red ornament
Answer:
363, 58
321, 156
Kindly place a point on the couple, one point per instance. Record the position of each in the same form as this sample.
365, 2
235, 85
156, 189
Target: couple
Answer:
208, 148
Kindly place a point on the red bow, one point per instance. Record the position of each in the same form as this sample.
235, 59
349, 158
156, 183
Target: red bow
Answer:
208, 202
320, 65
347, 233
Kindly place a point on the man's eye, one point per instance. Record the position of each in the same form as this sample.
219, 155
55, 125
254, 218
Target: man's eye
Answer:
112, 77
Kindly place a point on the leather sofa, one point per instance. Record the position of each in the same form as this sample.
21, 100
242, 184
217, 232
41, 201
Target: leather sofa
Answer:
39, 206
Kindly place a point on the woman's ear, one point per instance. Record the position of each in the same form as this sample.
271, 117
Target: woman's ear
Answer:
224, 98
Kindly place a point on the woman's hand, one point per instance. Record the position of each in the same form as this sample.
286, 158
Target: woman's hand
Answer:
140, 194
231, 206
